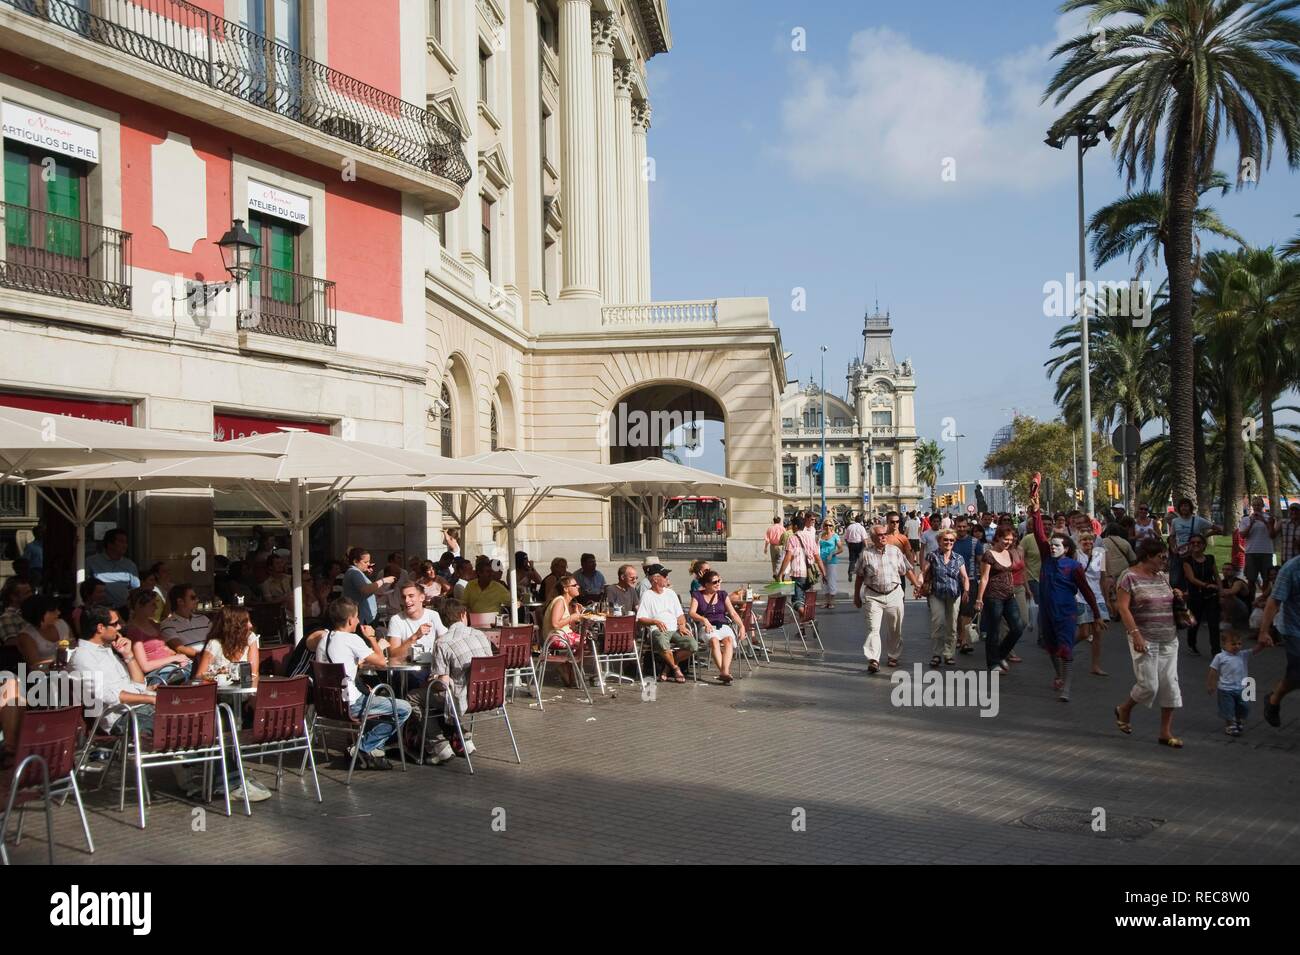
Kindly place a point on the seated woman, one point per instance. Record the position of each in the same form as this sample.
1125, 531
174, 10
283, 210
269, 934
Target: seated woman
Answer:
559, 618
551, 584
1233, 592
430, 584
712, 608
527, 577
698, 570
231, 641
38, 640
160, 663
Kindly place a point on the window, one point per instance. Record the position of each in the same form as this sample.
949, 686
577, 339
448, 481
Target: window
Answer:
882, 419
444, 446
550, 267
53, 188
546, 28
488, 210
789, 475
839, 422
812, 417
841, 473
787, 422
492, 428
544, 132
275, 264
272, 79
483, 74
884, 474
435, 20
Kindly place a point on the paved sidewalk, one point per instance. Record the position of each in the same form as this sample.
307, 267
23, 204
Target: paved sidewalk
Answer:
806, 760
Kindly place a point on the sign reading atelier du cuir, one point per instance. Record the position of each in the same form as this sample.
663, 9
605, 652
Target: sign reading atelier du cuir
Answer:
53, 133
278, 202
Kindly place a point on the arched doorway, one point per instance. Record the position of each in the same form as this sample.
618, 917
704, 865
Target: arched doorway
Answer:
684, 424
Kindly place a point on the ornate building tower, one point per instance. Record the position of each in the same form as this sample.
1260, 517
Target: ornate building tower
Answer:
883, 392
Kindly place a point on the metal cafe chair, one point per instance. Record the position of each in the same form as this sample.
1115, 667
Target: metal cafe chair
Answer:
187, 729
754, 632
44, 769
774, 617
333, 711
279, 726
485, 691
516, 645
559, 651
619, 646
807, 620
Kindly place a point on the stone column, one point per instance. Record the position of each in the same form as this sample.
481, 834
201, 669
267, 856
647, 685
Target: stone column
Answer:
625, 159
604, 33
578, 159
640, 125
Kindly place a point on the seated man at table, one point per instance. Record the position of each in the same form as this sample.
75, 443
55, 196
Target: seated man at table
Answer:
451, 658
590, 580
412, 631
185, 629
660, 612
342, 644
485, 594
464, 573
623, 594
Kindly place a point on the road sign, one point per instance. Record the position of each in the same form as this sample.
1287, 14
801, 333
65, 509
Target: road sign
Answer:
1126, 439
970, 508
866, 497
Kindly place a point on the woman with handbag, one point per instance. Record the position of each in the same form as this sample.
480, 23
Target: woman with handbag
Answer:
946, 587
802, 559
1146, 606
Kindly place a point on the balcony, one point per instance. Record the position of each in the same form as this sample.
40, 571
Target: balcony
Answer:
401, 145
671, 314
287, 305
67, 258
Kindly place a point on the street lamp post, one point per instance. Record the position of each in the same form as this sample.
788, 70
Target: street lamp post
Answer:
823, 416
1087, 131
957, 455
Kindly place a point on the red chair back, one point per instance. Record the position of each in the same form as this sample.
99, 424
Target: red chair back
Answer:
185, 717
620, 634
516, 645
774, 614
809, 613
329, 693
51, 735
280, 708
486, 688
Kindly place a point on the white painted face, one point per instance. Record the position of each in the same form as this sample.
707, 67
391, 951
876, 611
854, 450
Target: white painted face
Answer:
1058, 547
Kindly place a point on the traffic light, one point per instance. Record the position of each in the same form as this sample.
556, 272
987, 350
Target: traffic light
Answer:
1078, 495
1112, 488
961, 493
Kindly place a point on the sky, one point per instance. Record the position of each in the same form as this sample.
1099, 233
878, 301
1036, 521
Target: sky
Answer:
823, 169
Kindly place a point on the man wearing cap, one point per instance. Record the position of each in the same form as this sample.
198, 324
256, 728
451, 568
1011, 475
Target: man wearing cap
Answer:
660, 612
1288, 532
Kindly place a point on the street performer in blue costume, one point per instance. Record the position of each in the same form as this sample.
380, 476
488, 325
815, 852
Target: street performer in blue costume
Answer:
1061, 582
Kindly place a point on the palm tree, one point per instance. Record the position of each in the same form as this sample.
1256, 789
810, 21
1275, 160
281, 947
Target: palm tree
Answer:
929, 464
1269, 302
1138, 223
1223, 325
1171, 75
1292, 247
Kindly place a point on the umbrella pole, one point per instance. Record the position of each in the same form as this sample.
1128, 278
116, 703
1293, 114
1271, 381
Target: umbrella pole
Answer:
79, 560
295, 556
510, 556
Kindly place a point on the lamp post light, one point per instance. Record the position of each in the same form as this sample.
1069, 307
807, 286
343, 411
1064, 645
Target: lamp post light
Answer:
1087, 132
823, 417
957, 456
238, 251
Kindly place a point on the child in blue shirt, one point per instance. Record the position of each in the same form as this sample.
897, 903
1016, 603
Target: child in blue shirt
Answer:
1228, 676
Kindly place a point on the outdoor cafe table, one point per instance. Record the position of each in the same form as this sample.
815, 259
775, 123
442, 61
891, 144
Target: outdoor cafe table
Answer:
403, 669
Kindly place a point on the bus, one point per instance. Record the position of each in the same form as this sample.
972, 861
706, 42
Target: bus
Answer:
690, 519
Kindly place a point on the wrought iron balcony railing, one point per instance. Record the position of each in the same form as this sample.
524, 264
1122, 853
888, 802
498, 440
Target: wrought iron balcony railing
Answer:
288, 305
201, 46
55, 255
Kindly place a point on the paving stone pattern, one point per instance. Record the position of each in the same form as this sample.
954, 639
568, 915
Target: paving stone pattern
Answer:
805, 760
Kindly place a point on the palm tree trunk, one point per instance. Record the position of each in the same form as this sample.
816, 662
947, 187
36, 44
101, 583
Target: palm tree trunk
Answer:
1181, 193
1272, 478
1234, 457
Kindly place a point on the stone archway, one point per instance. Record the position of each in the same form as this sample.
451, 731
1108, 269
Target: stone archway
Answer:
668, 419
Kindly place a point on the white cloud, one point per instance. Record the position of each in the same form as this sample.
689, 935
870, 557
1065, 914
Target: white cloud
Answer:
890, 117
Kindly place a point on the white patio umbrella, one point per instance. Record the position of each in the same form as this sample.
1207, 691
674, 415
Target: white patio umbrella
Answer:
33, 442
307, 476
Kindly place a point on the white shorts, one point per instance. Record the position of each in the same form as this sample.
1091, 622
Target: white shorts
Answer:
723, 632
1156, 673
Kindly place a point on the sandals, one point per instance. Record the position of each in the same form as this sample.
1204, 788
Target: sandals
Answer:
663, 676
1173, 742
678, 676
1124, 727
893, 661
873, 666
935, 660
949, 661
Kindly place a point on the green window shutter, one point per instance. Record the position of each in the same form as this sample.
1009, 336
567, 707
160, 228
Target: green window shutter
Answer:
281, 255
16, 197
63, 198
